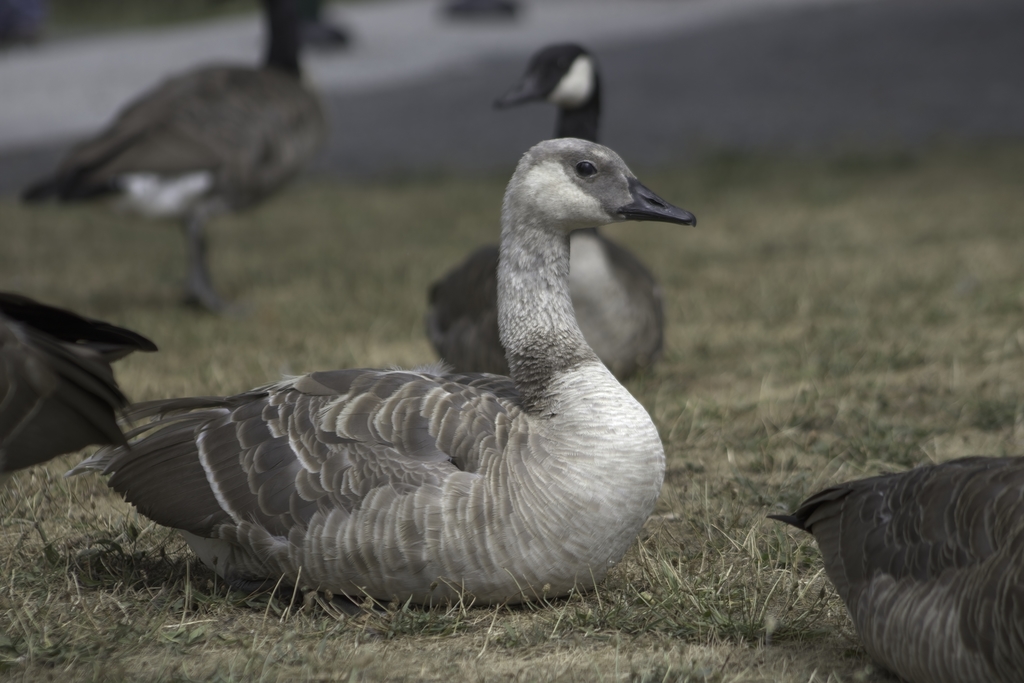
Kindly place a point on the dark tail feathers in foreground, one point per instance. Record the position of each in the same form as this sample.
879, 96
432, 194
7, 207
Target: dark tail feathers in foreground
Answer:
66, 188
57, 389
110, 341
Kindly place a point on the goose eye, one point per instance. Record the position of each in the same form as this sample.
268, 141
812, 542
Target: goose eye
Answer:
585, 169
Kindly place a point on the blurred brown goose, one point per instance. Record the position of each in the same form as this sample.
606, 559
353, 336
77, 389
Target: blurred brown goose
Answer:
618, 302
930, 564
482, 9
423, 484
218, 138
57, 392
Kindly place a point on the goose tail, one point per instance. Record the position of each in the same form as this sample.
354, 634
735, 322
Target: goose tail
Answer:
792, 520
66, 188
810, 511
41, 190
97, 462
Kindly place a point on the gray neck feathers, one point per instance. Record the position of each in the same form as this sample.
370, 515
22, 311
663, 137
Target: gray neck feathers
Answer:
535, 315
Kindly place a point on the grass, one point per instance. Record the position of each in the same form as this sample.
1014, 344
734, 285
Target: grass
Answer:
828, 320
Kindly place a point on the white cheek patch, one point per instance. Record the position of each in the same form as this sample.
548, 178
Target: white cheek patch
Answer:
576, 86
560, 199
154, 195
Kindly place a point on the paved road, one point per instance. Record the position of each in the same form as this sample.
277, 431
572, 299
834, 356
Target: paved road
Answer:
69, 88
804, 76
878, 75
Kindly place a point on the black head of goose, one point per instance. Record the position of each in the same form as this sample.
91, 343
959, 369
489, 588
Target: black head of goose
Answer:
618, 302
565, 75
57, 391
216, 138
423, 484
930, 564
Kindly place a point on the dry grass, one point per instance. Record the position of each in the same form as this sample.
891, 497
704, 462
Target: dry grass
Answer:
827, 320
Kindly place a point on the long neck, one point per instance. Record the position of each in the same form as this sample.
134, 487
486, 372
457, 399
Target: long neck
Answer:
535, 315
581, 122
282, 21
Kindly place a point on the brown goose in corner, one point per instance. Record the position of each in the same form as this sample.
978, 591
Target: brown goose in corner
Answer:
57, 392
930, 564
618, 303
218, 138
419, 485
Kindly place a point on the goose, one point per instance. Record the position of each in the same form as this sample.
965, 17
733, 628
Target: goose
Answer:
214, 139
316, 31
486, 9
57, 391
930, 564
427, 485
618, 302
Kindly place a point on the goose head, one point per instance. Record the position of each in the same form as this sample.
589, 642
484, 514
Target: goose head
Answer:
566, 184
563, 74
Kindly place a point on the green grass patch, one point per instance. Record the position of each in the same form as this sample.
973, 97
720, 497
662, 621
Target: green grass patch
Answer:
828, 320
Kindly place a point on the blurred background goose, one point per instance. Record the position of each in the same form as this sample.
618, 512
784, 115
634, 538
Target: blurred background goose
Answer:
930, 564
423, 484
57, 391
618, 302
218, 138
482, 9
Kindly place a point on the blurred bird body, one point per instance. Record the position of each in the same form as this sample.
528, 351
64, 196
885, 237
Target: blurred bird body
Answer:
214, 139
617, 301
930, 564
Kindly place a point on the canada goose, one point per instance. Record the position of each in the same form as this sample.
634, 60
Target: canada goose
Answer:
218, 138
57, 392
618, 303
487, 9
318, 32
930, 564
423, 484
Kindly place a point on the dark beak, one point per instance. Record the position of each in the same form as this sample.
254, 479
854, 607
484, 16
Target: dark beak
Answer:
647, 206
527, 90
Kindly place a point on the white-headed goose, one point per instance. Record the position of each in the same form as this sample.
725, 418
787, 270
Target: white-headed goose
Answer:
618, 303
422, 484
930, 564
218, 138
57, 392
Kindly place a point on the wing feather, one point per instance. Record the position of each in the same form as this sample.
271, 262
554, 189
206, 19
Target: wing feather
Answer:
261, 465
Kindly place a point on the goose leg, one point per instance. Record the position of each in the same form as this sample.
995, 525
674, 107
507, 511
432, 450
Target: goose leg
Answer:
199, 288
288, 594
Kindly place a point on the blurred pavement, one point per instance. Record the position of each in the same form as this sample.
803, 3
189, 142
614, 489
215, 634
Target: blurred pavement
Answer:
681, 78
